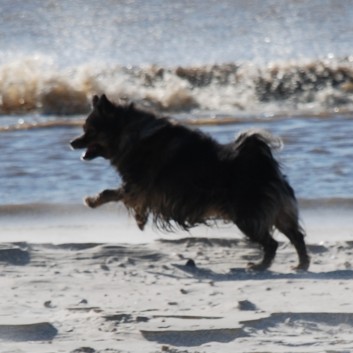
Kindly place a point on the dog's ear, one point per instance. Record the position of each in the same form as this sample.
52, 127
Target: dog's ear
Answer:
131, 106
103, 105
95, 100
104, 101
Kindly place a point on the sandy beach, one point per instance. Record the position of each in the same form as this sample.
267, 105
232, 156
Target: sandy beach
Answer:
77, 283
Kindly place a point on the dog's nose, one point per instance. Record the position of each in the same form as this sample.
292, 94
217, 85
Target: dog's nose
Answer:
74, 144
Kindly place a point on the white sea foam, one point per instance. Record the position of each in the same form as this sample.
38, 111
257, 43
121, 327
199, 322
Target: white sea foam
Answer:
34, 84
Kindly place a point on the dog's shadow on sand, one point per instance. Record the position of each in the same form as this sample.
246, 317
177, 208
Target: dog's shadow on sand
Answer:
241, 274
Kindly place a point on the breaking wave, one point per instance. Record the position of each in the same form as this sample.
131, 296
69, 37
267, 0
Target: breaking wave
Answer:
34, 85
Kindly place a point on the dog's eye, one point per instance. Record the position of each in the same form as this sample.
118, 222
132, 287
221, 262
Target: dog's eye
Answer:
89, 131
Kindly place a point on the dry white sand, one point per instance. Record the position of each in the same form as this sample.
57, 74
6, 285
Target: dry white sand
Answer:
92, 282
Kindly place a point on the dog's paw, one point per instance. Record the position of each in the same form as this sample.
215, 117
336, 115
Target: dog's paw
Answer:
257, 267
141, 220
91, 201
141, 225
303, 265
300, 268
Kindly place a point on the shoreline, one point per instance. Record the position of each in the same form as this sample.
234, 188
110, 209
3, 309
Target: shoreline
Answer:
73, 223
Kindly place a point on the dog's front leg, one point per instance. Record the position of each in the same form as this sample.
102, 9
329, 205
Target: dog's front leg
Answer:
104, 197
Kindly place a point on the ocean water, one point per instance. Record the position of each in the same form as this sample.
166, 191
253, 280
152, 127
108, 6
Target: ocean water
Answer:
219, 65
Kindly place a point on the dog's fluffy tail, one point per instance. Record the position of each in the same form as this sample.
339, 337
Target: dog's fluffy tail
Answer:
273, 142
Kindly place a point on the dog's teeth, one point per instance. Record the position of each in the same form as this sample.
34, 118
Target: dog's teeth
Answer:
84, 156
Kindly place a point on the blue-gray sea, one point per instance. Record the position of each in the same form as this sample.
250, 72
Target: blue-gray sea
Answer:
286, 66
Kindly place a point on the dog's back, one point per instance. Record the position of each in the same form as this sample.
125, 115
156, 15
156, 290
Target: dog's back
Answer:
189, 178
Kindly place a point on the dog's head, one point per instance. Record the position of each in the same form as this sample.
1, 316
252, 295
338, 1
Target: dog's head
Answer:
98, 129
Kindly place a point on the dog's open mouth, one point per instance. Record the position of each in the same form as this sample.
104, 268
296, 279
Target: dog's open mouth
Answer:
94, 150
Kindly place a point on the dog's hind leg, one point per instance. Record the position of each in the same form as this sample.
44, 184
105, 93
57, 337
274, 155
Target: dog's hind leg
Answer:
105, 196
289, 225
264, 238
269, 246
287, 222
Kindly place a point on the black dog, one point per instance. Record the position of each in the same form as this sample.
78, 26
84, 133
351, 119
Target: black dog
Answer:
182, 177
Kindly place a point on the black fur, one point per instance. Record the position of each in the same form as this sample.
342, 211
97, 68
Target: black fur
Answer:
182, 177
